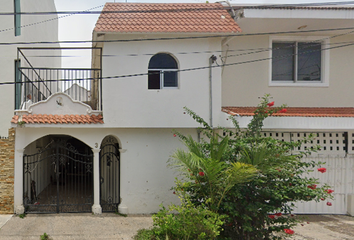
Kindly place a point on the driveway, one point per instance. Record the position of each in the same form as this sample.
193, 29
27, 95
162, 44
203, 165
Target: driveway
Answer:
112, 226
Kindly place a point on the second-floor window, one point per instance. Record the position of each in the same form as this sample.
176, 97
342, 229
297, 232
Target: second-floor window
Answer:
162, 72
299, 61
296, 61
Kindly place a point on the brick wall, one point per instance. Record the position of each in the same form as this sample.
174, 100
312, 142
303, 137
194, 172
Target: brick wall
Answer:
7, 156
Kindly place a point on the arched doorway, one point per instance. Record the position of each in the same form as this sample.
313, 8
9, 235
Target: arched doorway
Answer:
109, 174
58, 175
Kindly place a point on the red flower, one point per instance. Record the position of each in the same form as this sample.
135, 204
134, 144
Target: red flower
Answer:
174, 192
278, 214
271, 216
322, 170
322, 199
312, 186
329, 204
288, 231
283, 110
329, 191
174, 135
270, 104
201, 174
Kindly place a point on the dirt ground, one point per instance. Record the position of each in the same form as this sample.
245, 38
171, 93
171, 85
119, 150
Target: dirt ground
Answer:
325, 227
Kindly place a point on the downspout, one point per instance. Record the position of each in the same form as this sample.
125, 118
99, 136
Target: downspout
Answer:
212, 59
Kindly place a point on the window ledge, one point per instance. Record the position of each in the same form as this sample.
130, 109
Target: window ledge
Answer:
298, 84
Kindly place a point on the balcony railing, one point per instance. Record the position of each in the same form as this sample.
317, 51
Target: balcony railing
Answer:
36, 84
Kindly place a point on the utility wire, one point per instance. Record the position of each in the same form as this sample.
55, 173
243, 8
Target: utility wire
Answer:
176, 38
176, 10
48, 20
245, 51
182, 70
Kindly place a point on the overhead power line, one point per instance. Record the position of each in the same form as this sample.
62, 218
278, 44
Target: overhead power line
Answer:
176, 38
45, 21
176, 10
184, 70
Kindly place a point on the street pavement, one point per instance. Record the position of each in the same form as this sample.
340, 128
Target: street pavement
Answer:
73, 226
112, 226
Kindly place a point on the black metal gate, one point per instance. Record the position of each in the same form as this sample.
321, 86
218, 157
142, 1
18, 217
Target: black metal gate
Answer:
58, 179
109, 174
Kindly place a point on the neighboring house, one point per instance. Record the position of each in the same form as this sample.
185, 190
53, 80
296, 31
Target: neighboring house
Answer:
23, 28
17, 28
151, 60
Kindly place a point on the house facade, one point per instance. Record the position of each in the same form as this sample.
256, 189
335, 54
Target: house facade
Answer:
109, 152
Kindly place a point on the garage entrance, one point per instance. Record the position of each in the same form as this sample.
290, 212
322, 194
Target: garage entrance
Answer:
59, 177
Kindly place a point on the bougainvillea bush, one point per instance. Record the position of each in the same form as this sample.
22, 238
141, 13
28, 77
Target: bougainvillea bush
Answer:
258, 206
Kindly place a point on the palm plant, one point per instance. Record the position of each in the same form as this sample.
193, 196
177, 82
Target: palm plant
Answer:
206, 173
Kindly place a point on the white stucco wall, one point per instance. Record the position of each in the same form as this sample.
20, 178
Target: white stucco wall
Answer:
244, 83
127, 102
145, 178
47, 31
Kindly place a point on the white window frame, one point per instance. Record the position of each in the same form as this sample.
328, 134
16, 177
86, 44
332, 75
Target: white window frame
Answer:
324, 61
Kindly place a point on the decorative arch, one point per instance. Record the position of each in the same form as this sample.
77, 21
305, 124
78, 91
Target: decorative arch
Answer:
110, 174
162, 71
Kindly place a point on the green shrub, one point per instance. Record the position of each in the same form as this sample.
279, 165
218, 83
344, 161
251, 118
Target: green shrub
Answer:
259, 206
187, 222
183, 222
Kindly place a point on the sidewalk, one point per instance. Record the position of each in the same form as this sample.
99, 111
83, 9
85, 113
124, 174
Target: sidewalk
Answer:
74, 226
112, 226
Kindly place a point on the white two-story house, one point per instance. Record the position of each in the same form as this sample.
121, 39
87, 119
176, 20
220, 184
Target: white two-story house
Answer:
108, 152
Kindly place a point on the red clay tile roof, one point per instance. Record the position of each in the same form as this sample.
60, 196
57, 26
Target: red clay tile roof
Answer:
296, 111
66, 119
166, 17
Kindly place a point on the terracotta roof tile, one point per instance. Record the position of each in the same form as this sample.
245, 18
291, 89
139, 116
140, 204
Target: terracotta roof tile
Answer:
55, 119
166, 17
297, 111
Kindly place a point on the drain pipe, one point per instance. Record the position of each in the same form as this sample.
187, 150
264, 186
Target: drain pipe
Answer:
212, 59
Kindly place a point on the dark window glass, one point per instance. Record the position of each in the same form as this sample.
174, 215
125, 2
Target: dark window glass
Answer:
154, 80
309, 62
162, 61
170, 79
283, 61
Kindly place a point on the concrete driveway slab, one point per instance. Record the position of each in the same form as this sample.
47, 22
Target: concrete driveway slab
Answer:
4, 218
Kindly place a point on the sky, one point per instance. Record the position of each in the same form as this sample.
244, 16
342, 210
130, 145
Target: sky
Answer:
79, 27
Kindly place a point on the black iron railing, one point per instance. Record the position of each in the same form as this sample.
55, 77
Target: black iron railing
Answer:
39, 83
34, 84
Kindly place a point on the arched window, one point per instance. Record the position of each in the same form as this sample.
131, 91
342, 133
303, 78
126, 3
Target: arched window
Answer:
162, 72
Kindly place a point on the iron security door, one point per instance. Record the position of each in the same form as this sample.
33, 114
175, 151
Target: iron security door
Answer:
58, 179
109, 174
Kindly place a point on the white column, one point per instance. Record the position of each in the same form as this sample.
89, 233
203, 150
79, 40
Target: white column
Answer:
96, 208
18, 182
123, 208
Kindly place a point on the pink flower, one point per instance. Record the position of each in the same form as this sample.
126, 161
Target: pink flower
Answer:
312, 186
201, 174
288, 231
278, 214
271, 216
174, 135
322, 170
270, 104
329, 191
283, 110
329, 204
